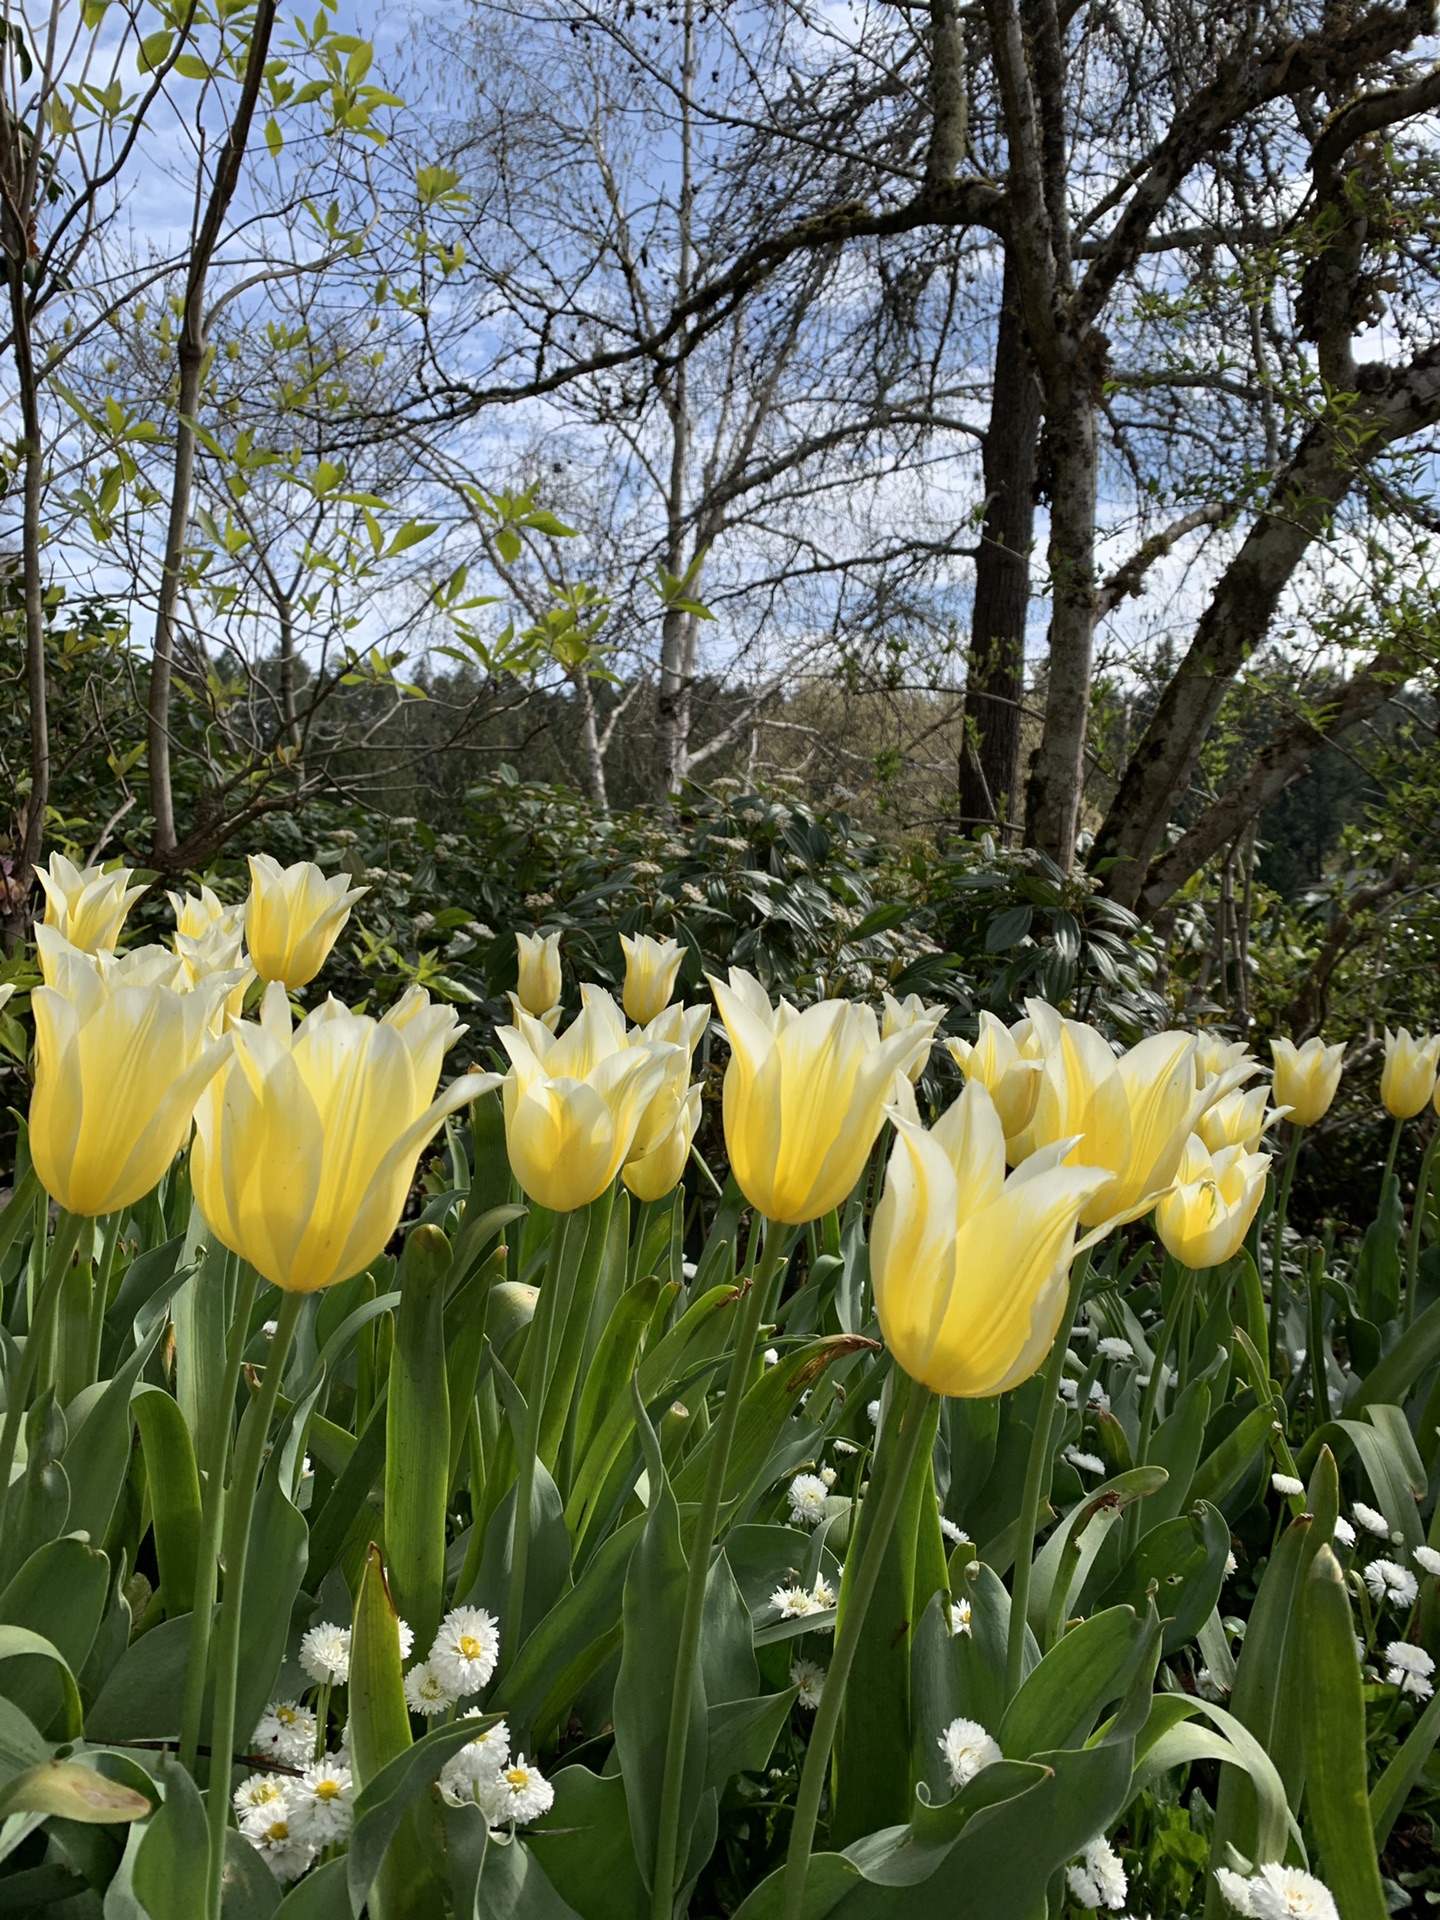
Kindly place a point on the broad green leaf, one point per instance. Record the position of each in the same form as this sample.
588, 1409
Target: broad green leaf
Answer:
174, 1488
169, 1875
403, 1782
1392, 1789
66, 1789
1334, 1734
19, 1643
417, 1437
583, 1843
1059, 1703
62, 1589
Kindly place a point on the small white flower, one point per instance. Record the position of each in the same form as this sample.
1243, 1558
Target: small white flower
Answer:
286, 1855
967, 1748
1099, 1401
770, 1356
261, 1792
1097, 1878
845, 1446
1288, 1893
1344, 1532
1208, 1687
793, 1603
407, 1638
325, 1654
1234, 1889
287, 1733
872, 1413
829, 1476
806, 1494
320, 1804
517, 1793
1114, 1348
1359, 1649
1388, 1580
823, 1594
959, 1617
476, 1765
1409, 1668
270, 1328
1287, 1484
1068, 1389
1085, 1462
1426, 1558
955, 1535
1372, 1521
465, 1651
425, 1691
810, 1679
1230, 1565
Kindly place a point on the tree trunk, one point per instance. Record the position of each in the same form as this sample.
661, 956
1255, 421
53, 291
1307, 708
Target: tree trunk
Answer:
677, 675
990, 765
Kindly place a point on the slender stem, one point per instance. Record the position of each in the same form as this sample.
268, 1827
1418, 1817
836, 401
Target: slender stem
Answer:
542, 1330
1277, 1282
1179, 1301
100, 1298
1417, 1221
47, 1300
911, 1402
1319, 1372
667, 1838
197, 1658
1394, 1148
1037, 1470
239, 1506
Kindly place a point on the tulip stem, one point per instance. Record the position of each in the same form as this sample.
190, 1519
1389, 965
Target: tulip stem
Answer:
1393, 1150
537, 1380
100, 1298
1277, 1282
1179, 1302
197, 1657
239, 1506
1037, 1472
909, 1405
667, 1837
47, 1299
1417, 1221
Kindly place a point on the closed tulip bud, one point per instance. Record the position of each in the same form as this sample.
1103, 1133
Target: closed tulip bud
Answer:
306, 1143
1306, 1078
538, 985
915, 1017
293, 918
805, 1096
970, 1268
1214, 1057
650, 969
652, 1175
1238, 1119
86, 905
574, 1102
1205, 1217
1407, 1078
197, 913
121, 1056
1008, 1074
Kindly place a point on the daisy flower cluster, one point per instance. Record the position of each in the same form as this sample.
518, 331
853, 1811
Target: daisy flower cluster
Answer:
460, 1662
508, 1789
290, 1820
1409, 1668
1277, 1893
1096, 1877
798, 1603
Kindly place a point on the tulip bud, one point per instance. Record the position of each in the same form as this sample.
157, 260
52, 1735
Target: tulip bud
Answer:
1306, 1078
1009, 1076
87, 906
650, 969
197, 913
538, 987
121, 1056
970, 1268
1214, 1056
650, 1176
915, 1017
1205, 1217
805, 1096
293, 918
1238, 1119
306, 1144
574, 1103
1407, 1078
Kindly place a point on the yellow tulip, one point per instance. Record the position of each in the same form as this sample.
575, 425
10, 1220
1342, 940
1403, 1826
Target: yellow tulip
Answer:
293, 918
85, 904
1407, 1078
1214, 1056
653, 1174
306, 1144
915, 1017
1010, 1075
1306, 1078
805, 1096
1238, 1119
650, 969
970, 1268
121, 1056
538, 987
197, 913
1205, 1217
574, 1102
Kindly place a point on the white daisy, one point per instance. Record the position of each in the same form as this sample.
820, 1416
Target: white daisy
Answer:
517, 1793
1097, 1878
967, 1748
286, 1855
1388, 1580
1289, 1893
1084, 1462
1068, 1389
1409, 1668
1234, 1889
810, 1679
1099, 1401
1426, 1558
957, 1536
1287, 1484
1372, 1521
793, 1603
407, 1638
823, 1594
261, 1792
1344, 1532
806, 1494
872, 1413
770, 1356
829, 1476
287, 1733
325, 1654
465, 1651
1230, 1565
959, 1617
1208, 1687
321, 1804
1114, 1348
844, 1446
425, 1691
476, 1765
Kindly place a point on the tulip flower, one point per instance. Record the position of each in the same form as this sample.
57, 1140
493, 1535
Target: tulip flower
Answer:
122, 1053
574, 1103
1306, 1078
306, 1143
1214, 1057
1205, 1217
1000, 1061
293, 918
1407, 1079
971, 1268
656, 1172
650, 969
196, 914
805, 1096
915, 1017
1238, 1119
85, 904
538, 987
